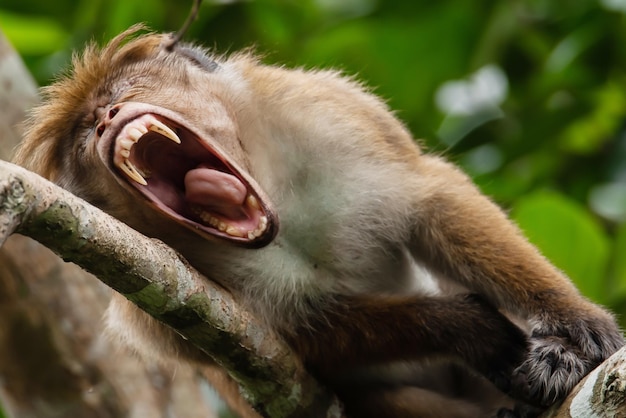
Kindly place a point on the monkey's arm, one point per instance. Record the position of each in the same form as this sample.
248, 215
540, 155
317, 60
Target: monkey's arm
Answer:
464, 236
363, 331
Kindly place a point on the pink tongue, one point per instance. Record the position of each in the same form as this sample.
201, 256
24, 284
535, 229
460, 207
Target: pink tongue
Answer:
220, 192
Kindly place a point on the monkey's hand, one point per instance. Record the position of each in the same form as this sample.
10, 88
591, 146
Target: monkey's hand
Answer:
493, 345
563, 351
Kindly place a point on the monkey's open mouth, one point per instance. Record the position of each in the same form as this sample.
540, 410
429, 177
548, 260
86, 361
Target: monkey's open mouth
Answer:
189, 180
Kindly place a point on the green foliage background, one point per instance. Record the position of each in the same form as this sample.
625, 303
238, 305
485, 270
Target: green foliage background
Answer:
552, 150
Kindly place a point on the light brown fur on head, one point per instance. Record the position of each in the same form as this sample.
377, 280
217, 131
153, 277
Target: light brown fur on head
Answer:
68, 103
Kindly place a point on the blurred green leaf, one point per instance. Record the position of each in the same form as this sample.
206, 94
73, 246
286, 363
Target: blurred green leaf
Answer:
608, 109
33, 35
619, 269
568, 236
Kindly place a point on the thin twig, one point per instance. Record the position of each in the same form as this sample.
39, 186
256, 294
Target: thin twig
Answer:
181, 32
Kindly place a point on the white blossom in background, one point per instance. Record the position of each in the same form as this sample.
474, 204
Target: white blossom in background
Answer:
609, 201
615, 5
470, 103
486, 88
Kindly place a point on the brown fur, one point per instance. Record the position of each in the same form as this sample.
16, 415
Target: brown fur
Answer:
365, 220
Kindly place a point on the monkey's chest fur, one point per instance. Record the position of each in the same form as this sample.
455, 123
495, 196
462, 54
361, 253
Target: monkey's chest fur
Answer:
338, 236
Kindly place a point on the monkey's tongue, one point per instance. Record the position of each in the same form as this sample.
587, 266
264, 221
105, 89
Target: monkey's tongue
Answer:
215, 190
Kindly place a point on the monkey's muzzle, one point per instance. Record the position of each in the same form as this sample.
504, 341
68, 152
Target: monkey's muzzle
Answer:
185, 176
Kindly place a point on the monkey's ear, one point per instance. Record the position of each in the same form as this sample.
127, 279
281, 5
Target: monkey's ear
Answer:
193, 14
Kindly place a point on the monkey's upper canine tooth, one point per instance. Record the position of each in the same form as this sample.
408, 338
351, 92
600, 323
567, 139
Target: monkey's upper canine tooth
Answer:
161, 128
129, 169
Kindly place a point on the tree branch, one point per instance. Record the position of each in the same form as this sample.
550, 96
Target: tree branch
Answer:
169, 290
54, 360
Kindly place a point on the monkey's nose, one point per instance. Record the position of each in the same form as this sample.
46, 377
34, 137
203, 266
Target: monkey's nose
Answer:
110, 114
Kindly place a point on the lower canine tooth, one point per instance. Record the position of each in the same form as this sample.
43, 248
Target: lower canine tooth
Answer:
146, 174
129, 169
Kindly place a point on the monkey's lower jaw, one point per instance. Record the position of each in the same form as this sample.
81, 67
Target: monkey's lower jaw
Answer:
185, 176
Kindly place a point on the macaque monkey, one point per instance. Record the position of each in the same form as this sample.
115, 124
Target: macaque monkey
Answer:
301, 193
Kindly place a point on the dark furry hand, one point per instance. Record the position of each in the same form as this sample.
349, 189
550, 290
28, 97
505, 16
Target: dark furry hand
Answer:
561, 355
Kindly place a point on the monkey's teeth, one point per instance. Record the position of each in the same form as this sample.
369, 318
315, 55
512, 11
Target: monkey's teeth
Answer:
156, 126
126, 143
146, 174
262, 224
235, 232
206, 217
253, 202
260, 228
216, 223
129, 169
131, 134
136, 132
